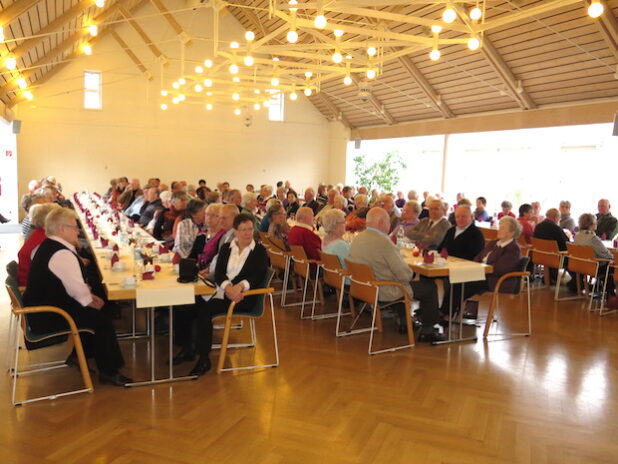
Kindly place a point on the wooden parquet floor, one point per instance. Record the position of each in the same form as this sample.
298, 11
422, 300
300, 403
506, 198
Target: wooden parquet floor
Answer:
548, 398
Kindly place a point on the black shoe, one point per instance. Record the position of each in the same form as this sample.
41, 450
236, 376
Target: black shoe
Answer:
431, 337
117, 379
72, 361
183, 356
201, 367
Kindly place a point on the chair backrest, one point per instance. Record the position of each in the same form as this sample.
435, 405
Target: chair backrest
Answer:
278, 260
615, 255
298, 254
259, 307
263, 236
582, 259
278, 243
12, 269
360, 287
332, 270
545, 253
489, 234
14, 293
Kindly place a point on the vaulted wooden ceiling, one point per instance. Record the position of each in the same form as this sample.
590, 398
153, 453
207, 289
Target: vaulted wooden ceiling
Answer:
537, 53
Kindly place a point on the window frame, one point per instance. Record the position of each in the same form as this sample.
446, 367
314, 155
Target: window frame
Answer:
89, 91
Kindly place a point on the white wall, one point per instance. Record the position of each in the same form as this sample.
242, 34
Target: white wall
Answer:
131, 136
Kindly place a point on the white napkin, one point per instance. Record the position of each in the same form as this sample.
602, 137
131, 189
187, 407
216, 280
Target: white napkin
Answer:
465, 271
153, 297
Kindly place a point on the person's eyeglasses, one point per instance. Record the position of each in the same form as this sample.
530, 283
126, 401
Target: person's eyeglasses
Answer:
71, 226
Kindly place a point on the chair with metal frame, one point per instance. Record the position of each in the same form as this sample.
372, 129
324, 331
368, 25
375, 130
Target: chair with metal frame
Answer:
255, 313
302, 268
11, 270
30, 336
582, 261
334, 275
547, 254
614, 266
493, 305
280, 261
364, 288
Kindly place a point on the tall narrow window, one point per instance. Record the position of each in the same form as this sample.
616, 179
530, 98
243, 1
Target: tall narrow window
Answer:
275, 105
92, 90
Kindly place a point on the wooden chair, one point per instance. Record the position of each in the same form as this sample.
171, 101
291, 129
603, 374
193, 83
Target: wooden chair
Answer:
493, 305
334, 275
280, 261
547, 254
583, 261
29, 335
614, 266
364, 288
525, 246
302, 268
255, 313
489, 234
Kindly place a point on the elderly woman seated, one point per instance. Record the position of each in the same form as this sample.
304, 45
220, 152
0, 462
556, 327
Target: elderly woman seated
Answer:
37, 215
265, 223
333, 242
278, 227
587, 237
190, 228
503, 254
355, 221
293, 205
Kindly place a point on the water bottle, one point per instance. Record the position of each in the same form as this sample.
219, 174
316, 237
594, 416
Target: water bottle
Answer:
400, 237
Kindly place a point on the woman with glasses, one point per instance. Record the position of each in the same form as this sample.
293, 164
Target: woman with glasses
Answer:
334, 223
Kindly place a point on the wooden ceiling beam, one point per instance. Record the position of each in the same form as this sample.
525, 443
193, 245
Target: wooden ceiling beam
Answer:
608, 26
377, 105
14, 10
52, 27
169, 17
140, 31
425, 87
337, 114
131, 55
252, 18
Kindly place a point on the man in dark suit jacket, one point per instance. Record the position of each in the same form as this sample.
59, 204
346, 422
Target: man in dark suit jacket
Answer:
463, 240
549, 229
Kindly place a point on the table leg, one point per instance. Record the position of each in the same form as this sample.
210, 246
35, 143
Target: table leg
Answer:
461, 338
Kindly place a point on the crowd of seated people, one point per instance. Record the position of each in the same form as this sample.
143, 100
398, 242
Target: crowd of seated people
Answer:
218, 228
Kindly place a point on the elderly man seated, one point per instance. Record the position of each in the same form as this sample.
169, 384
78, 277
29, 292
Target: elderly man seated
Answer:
373, 248
302, 234
56, 278
566, 221
151, 205
607, 225
464, 240
130, 193
430, 231
310, 201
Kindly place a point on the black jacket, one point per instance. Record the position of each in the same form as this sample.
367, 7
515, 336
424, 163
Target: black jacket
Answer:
466, 245
548, 230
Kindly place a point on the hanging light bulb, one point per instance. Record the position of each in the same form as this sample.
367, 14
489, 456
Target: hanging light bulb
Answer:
476, 13
87, 49
209, 94
28, 95
449, 15
595, 9
176, 85
249, 36
292, 36
257, 91
207, 82
257, 106
235, 96
237, 111
308, 74
208, 63
293, 96
182, 81
93, 30
248, 60
21, 82
434, 55
347, 80
234, 44
371, 50
474, 43
164, 93
292, 5
371, 73
163, 106
198, 88
100, 3
10, 63
338, 33
337, 57
199, 69
182, 97
320, 21
308, 91
436, 29
233, 68
274, 81
175, 100
1, 34
236, 79
209, 106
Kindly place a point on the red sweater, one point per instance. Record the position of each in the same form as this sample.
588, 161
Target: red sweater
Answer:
307, 239
23, 256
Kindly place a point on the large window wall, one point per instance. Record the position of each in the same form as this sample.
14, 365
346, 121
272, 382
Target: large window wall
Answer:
575, 163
